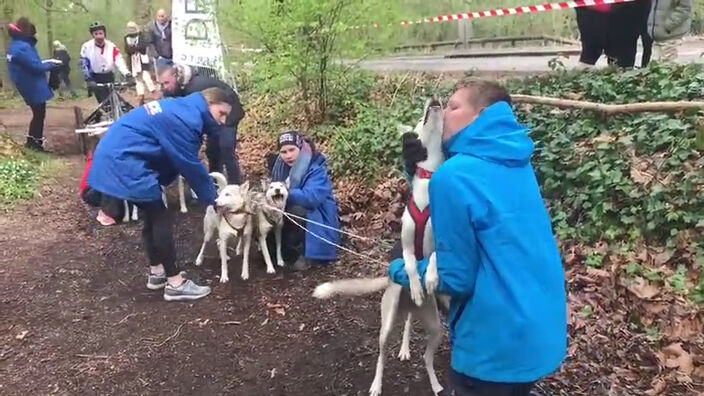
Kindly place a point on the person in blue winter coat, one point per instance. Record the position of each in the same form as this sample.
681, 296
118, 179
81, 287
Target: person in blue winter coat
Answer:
497, 257
29, 74
311, 196
147, 148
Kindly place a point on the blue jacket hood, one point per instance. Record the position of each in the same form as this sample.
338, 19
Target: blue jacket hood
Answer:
494, 136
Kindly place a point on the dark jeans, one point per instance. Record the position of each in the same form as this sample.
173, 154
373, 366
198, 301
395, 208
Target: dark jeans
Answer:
102, 93
65, 78
111, 206
462, 385
221, 154
157, 236
35, 138
293, 238
593, 31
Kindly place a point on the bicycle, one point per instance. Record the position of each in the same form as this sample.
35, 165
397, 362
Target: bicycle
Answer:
89, 129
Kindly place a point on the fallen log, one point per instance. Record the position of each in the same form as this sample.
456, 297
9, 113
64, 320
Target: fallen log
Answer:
664, 107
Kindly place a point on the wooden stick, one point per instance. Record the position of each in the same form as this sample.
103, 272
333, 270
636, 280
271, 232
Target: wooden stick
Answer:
665, 107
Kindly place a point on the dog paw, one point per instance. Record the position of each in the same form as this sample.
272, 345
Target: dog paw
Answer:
417, 293
184, 210
270, 270
199, 261
280, 263
245, 276
323, 291
375, 389
404, 354
224, 279
431, 283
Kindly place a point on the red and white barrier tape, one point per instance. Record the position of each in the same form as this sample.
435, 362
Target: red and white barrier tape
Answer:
515, 11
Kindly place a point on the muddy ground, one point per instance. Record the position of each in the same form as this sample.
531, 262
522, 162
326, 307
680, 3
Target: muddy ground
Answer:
77, 318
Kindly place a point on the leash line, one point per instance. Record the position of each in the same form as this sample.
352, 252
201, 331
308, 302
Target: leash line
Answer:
364, 256
318, 224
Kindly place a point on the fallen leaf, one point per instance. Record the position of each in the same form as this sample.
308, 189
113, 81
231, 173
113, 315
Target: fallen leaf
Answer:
303, 326
22, 335
658, 386
280, 311
673, 356
643, 289
598, 272
662, 258
603, 138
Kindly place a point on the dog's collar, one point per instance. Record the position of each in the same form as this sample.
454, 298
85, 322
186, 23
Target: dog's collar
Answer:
423, 173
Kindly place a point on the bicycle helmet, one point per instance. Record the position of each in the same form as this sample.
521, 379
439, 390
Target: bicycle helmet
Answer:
95, 26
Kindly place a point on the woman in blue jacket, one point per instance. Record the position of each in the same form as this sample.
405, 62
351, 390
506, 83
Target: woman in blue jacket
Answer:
28, 73
304, 170
497, 257
146, 149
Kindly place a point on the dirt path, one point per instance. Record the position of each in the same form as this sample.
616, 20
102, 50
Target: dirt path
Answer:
77, 318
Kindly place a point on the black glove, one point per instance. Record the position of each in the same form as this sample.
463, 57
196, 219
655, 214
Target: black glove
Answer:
413, 152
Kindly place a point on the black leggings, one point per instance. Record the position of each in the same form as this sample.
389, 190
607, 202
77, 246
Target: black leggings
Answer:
36, 126
463, 385
158, 237
221, 153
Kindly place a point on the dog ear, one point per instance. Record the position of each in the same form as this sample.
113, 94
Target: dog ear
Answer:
245, 187
404, 129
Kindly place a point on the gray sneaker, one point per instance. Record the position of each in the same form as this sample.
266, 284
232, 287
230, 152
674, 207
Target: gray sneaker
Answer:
156, 281
187, 291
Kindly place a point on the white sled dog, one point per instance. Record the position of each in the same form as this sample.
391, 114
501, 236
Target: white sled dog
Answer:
397, 302
238, 213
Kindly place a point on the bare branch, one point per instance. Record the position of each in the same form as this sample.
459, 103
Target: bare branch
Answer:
665, 107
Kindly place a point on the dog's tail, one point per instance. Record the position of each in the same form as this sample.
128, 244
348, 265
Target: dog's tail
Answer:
351, 287
219, 179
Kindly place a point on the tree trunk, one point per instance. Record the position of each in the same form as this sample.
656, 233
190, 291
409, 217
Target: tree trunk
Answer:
49, 4
7, 14
143, 11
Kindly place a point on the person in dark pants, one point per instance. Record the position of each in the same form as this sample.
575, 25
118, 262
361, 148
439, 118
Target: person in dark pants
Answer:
180, 80
497, 257
147, 148
99, 59
28, 73
64, 71
593, 25
311, 197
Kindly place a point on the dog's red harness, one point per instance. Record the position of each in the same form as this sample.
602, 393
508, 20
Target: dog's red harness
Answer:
420, 217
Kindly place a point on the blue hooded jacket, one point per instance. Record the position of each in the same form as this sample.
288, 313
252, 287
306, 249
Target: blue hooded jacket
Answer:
151, 145
315, 193
27, 71
497, 257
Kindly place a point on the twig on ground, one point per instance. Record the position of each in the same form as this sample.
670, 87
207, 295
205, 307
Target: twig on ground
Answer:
232, 322
161, 344
80, 355
125, 319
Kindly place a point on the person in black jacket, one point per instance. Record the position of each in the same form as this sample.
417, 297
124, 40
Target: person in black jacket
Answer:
181, 80
64, 71
138, 60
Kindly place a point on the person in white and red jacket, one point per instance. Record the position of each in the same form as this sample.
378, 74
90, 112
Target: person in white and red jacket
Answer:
99, 58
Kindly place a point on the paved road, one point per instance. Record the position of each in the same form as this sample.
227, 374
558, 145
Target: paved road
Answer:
690, 51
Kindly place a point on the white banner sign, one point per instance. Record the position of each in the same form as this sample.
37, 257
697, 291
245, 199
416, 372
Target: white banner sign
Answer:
195, 35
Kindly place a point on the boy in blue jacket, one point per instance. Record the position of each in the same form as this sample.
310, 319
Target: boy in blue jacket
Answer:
147, 148
497, 257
